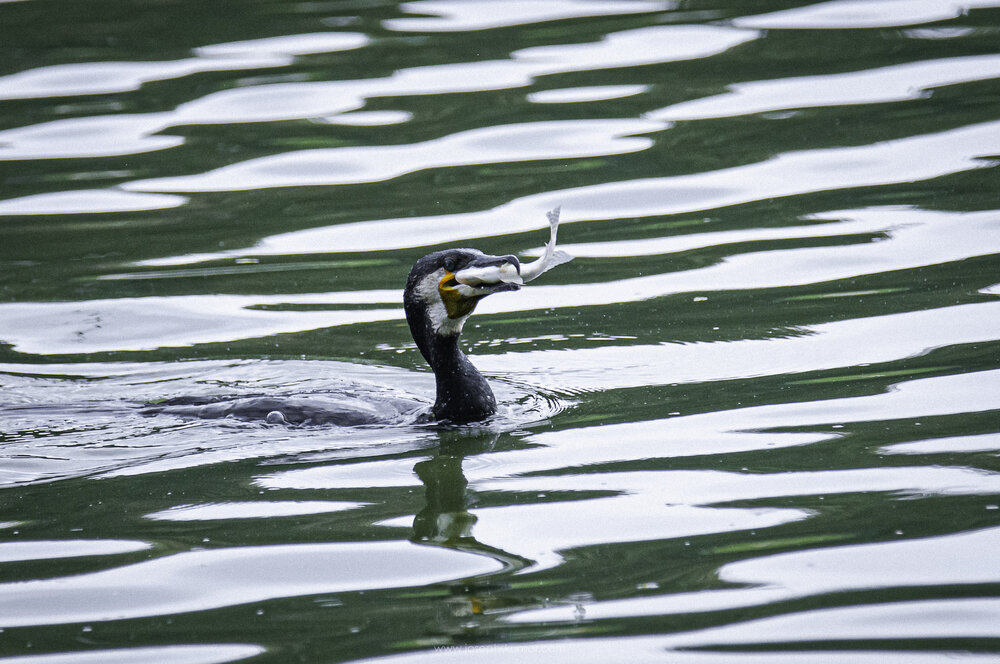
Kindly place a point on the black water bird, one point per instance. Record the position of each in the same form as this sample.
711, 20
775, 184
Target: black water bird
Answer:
442, 291
438, 301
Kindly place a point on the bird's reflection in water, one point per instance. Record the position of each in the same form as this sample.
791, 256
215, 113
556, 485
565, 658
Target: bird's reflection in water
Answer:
446, 521
445, 518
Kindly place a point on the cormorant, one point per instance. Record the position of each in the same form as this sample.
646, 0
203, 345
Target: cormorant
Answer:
438, 302
442, 291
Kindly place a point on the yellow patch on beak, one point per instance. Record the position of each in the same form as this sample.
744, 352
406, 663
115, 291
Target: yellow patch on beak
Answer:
456, 304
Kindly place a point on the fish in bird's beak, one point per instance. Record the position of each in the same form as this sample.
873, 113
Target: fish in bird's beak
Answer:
462, 289
492, 271
512, 272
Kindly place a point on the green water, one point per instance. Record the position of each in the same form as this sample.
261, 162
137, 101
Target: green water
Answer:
755, 420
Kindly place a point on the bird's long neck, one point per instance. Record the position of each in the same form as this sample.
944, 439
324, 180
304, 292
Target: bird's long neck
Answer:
463, 395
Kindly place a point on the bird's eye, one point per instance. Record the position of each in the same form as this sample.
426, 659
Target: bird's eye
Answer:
450, 263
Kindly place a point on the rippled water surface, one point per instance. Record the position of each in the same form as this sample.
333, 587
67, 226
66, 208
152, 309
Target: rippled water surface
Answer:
756, 420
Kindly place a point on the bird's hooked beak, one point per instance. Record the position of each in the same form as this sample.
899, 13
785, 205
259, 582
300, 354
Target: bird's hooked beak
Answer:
461, 290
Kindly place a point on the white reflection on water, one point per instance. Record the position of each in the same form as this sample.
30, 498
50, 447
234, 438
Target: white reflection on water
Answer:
352, 165
909, 159
380, 473
857, 342
987, 442
51, 549
540, 531
659, 649
74, 202
91, 78
201, 580
939, 33
633, 48
461, 16
257, 509
110, 77
367, 118
155, 322
301, 44
909, 230
750, 428
841, 14
322, 99
926, 619
585, 94
910, 80
97, 136
947, 560
173, 654
709, 487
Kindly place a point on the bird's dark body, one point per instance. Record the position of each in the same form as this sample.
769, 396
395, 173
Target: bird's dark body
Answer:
463, 395
337, 410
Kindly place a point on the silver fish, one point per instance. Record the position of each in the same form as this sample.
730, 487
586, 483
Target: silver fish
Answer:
508, 273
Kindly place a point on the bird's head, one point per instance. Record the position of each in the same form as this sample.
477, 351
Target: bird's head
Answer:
448, 284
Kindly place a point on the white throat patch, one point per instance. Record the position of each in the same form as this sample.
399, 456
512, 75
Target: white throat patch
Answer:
427, 290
